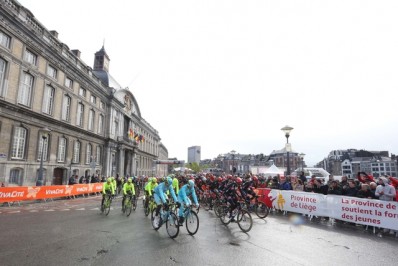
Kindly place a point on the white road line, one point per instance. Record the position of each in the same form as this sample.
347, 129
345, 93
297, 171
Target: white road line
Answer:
65, 210
14, 212
81, 209
49, 210
33, 211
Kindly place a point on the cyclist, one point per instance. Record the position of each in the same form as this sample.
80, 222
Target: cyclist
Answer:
160, 195
107, 188
176, 185
183, 198
128, 190
232, 196
149, 188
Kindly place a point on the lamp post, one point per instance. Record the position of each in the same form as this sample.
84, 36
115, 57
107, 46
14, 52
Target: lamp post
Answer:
233, 161
44, 135
301, 155
287, 130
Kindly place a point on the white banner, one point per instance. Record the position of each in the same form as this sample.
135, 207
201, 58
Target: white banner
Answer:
377, 213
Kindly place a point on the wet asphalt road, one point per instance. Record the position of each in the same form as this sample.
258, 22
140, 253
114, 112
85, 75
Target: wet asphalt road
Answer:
73, 232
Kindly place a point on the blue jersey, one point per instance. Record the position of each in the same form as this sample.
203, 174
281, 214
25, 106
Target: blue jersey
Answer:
185, 192
161, 189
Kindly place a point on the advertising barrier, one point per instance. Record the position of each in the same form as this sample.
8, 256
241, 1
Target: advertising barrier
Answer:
9, 194
371, 212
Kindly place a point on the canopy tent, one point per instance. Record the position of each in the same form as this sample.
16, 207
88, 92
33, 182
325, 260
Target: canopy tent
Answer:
178, 169
273, 170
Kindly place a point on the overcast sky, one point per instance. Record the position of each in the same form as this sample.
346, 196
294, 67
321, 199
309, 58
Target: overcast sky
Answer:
228, 75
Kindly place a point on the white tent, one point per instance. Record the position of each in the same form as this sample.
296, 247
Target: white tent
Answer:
273, 170
182, 169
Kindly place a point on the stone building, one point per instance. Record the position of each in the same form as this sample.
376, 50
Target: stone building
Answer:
59, 112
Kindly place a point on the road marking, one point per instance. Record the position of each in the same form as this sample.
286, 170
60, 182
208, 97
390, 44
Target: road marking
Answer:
49, 210
14, 212
33, 211
65, 210
81, 209
95, 209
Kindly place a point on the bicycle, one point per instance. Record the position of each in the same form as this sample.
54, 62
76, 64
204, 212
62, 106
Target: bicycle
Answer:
149, 206
130, 203
243, 217
258, 207
106, 207
191, 220
168, 217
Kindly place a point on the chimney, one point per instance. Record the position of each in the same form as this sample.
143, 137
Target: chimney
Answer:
54, 33
76, 53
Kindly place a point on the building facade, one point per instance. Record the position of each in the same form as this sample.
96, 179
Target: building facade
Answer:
194, 153
59, 116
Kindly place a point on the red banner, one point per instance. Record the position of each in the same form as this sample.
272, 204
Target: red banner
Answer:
8, 194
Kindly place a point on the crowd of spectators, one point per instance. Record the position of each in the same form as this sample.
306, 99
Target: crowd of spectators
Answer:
363, 186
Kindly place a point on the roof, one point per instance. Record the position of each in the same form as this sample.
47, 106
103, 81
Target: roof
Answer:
107, 79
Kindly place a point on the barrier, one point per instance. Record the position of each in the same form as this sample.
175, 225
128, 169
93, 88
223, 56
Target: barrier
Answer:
371, 212
10, 194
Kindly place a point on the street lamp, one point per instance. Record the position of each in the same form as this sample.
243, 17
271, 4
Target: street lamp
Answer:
286, 130
233, 161
301, 155
44, 135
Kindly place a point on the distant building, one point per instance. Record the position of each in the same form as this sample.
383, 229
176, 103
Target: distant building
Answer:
194, 154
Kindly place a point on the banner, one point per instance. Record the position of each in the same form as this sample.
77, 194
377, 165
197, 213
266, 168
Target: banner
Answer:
9, 194
371, 212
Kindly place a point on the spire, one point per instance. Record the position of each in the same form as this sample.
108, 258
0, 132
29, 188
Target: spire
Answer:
101, 59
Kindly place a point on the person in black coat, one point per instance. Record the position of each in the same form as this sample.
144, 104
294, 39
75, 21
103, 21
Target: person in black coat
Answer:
351, 190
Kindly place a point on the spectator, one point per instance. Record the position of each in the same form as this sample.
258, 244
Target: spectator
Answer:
303, 178
384, 190
351, 190
298, 185
72, 180
344, 183
365, 192
372, 187
2, 184
334, 188
285, 184
331, 179
274, 183
81, 180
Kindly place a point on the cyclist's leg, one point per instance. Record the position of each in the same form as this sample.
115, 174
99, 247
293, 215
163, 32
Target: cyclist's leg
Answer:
103, 199
181, 211
158, 203
124, 198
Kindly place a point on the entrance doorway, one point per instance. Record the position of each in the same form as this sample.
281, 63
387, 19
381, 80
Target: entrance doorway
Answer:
59, 176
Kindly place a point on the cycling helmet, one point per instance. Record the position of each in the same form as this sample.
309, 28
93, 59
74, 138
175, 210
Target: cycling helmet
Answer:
255, 178
154, 180
129, 180
191, 184
239, 181
219, 179
169, 180
108, 180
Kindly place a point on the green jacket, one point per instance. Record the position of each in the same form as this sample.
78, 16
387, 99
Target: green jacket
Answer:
128, 187
106, 187
176, 185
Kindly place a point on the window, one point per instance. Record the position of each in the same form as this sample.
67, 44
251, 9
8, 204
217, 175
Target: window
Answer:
16, 176
98, 157
52, 72
43, 148
48, 100
93, 99
5, 40
18, 143
30, 57
102, 105
91, 116
88, 153
80, 114
115, 127
76, 152
69, 83
3, 81
61, 149
100, 124
25, 89
82, 92
66, 108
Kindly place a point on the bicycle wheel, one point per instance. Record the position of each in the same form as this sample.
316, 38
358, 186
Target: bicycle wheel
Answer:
127, 206
134, 203
155, 220
262, 210
207, 204
244, 220
224, 214
217, 208
172, 226
192, 223
107, 205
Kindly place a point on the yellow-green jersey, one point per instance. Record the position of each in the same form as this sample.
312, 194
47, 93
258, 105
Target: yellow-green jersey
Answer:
150, 186
128, 187
108, 187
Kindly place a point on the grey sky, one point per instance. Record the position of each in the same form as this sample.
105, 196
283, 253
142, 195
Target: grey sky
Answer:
228, 75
